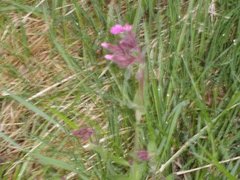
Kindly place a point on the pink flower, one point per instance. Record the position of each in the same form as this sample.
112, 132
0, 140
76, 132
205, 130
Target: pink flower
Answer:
126, 51
143, 155
127, 27
83, 133
117, 29
109, 57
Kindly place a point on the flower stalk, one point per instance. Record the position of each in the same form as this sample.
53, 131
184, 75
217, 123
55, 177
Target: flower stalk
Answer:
126, 53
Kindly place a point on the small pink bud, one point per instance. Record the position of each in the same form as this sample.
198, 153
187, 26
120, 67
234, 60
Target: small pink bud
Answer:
143, 155
109, 57
105, 45
127, 27
83, 133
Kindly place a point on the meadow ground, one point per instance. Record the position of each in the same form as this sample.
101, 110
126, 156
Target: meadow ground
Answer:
54, 80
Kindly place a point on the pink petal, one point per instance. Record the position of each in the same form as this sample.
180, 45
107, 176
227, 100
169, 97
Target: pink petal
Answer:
112, 48
123, 60
109, 57
127, 27
117, 29
128, 41
105, 45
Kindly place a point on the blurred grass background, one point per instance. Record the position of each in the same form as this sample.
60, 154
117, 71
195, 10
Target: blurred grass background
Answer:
54, 79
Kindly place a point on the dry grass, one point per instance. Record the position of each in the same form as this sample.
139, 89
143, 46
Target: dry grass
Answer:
42, 69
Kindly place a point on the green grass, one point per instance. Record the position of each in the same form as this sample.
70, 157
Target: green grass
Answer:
54, 79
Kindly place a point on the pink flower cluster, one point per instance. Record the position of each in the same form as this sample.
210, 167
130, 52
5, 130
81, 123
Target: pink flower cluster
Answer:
126, 52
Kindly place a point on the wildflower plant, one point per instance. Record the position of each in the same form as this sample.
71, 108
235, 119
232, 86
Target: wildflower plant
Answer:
126, 53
